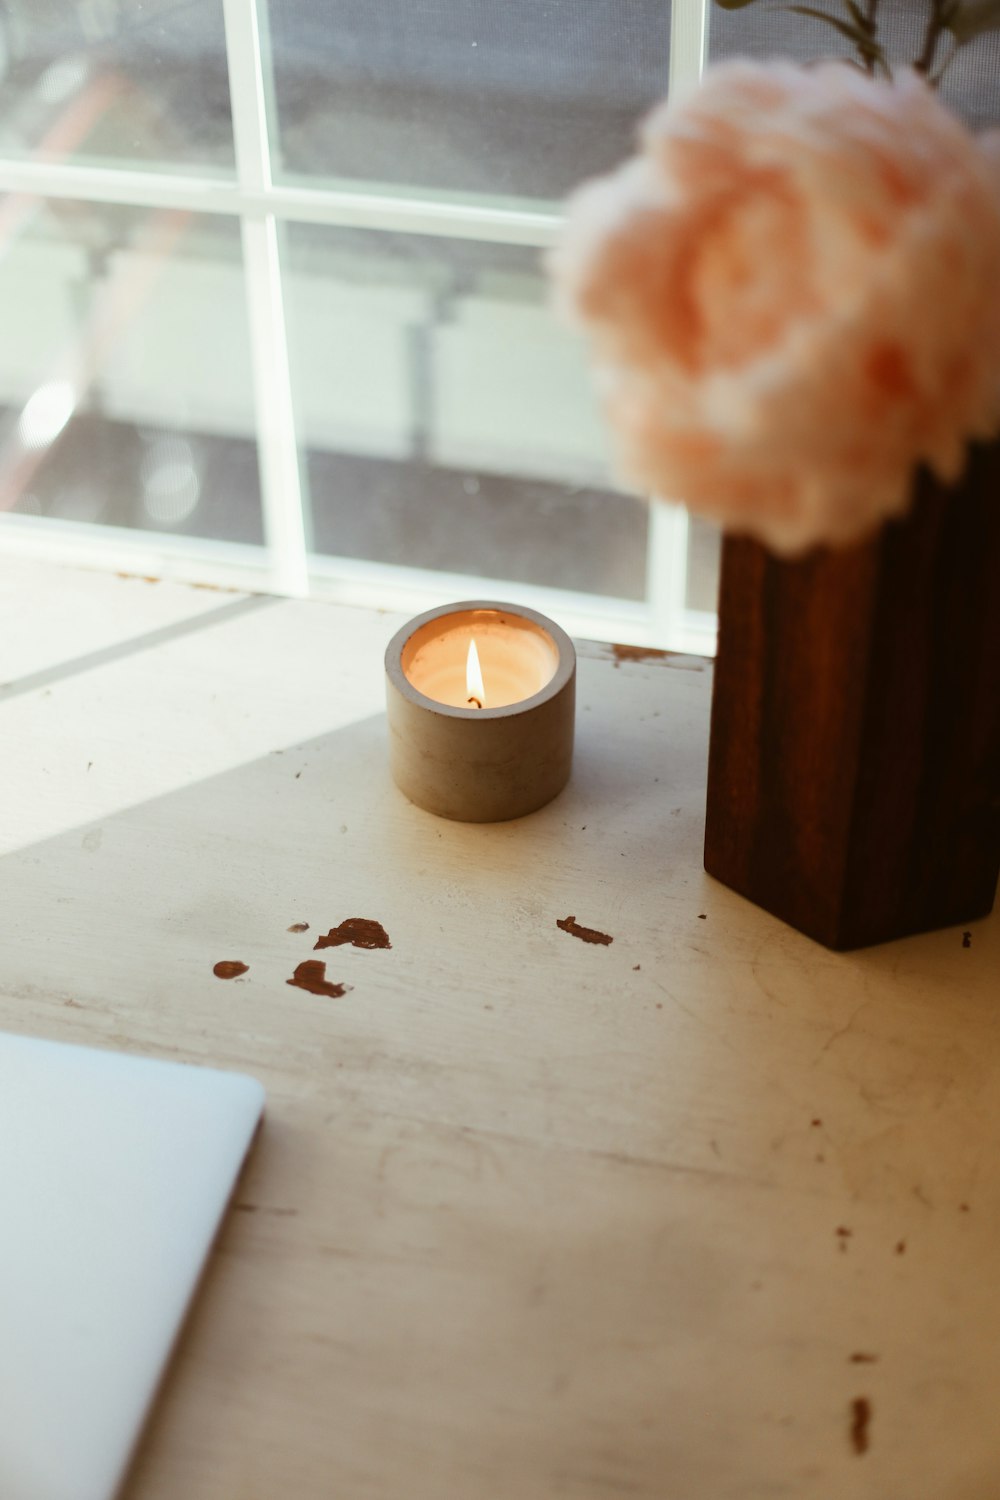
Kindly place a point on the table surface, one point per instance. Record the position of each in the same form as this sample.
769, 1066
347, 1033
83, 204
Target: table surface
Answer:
708, 1213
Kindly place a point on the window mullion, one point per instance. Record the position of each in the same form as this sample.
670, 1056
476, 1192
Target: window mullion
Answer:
667, 548
688, 44
277, 446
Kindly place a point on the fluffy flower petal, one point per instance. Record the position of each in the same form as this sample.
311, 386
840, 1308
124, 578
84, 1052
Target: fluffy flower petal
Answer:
792, 298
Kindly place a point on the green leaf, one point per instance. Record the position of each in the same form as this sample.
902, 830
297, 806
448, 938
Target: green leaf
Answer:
860, 38
972, 19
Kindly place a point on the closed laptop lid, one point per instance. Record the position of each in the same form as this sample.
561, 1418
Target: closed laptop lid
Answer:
114, 1174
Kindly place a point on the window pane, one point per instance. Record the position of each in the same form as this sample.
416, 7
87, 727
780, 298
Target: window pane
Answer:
115, 80
125, 395
448, 422
704, 548
512, 97
970, 82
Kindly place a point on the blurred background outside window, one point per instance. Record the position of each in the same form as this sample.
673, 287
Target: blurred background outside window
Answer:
273, 298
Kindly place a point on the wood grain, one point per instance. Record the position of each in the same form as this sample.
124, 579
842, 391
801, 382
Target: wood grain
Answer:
854, 778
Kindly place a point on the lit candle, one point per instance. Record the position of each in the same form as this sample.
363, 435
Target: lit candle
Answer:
474, 684
480, 704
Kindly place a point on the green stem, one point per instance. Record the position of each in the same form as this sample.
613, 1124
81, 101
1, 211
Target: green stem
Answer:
935, 26
871, 28
942, 70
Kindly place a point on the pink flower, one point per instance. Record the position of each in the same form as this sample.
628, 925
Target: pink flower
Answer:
793, 296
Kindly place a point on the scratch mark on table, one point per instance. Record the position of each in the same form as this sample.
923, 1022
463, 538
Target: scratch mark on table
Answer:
841, 1031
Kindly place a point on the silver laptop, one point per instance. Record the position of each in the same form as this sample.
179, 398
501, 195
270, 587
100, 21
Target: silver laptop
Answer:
114, 1175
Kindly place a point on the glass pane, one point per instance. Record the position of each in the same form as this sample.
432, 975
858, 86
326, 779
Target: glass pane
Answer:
115, 80
970, 82
448, 421
512, 97
125, 395
704, 548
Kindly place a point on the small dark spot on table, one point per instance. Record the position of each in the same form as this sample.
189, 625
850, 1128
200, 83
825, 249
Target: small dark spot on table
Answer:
297, 775
230, 968
843, 1235
360, 932
816, 1123
299, 927
861, 1416
864, 1359
89, 764
963, 1208
966, 939
900, 1247
585, 934
820, 1157
636, 968
703, 916
311, 976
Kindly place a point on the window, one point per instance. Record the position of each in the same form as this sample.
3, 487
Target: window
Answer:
274, 306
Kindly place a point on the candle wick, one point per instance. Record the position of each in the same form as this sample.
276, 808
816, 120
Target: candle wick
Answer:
476, 702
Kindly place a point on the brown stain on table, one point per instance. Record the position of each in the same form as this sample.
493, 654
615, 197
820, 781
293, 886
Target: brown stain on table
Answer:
230, 968
360, 932
298, 927
861, 1416
654, 653
311, 976
636, 653
864, 1359
585, 934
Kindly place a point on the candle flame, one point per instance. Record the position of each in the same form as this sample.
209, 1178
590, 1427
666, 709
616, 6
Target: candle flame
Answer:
474, 678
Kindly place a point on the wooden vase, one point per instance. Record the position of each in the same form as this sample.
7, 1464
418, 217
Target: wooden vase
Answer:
854, 768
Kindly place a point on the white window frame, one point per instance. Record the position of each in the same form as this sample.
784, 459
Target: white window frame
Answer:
284, 564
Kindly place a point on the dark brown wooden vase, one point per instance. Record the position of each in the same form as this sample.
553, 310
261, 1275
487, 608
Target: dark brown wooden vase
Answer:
854, 770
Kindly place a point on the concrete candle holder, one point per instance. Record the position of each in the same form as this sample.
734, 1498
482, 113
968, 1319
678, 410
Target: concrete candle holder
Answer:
480, 701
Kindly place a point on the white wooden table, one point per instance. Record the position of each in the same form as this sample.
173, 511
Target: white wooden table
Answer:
706, 1214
